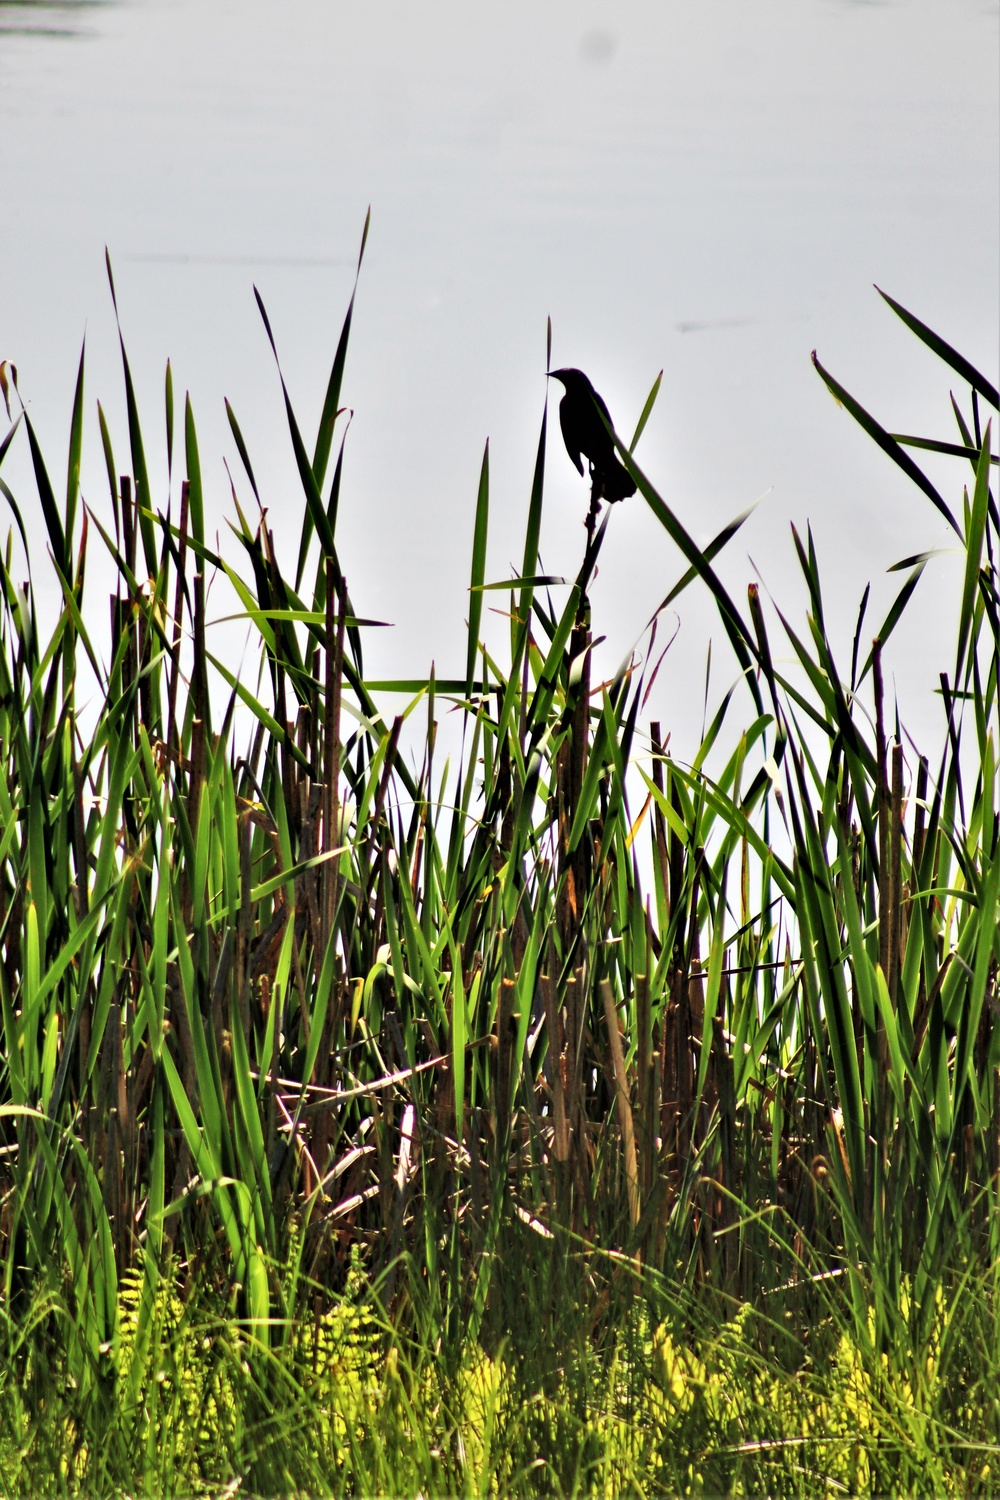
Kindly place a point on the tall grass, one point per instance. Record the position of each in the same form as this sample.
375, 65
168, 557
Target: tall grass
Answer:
559, 1051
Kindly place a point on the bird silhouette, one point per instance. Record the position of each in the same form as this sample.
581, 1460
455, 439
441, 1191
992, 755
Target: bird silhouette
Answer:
582, 417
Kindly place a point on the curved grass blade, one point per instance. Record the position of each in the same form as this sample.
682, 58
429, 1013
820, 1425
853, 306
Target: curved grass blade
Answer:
857, 635
935, 445
944, 351
241, 448
333, 504
739, 636
7, 493
109, 464
7, 383
57, 539
314, 617
892, 618
713, 549
885, 442
9, 438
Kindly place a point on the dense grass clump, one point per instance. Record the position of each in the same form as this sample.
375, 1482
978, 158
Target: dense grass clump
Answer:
558, 1118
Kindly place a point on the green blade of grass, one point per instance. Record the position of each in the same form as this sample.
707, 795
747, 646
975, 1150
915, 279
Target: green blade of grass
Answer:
168, 402
316, 511
324, 436
976, 532
532, 530
740, 638
479, 540
241, 448
75, 450
893, 617
645, 413
951, 357
142, 490
885, 442
50, 511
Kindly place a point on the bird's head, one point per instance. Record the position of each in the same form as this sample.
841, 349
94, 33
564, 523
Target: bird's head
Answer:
573, 380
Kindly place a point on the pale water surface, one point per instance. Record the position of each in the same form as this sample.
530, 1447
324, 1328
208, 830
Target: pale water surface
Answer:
706, 186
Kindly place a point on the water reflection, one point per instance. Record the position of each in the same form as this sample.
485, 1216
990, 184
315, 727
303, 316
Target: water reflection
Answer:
45, 17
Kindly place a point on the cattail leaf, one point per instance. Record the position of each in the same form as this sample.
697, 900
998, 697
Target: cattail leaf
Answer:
479, 539
241, 448
8, 495
532, 530
50, 511
739, 636
893, 617
316, 516
934, 445
168, 399
715, 546
324, 437
975, 533
539, 580
75, 450
951, 357
143, 497
196, 499
885, 442
646, 410
5, 444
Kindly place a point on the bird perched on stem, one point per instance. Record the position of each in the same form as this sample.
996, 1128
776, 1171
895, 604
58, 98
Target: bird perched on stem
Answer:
586, 429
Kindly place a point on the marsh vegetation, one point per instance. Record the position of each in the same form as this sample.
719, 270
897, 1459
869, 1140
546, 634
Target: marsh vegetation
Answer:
540, 1114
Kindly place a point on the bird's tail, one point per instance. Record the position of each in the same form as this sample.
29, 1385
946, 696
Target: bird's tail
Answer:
614, 483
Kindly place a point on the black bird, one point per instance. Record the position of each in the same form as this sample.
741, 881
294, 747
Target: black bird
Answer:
582, 415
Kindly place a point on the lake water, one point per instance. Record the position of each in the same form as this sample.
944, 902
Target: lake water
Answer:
710, 187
